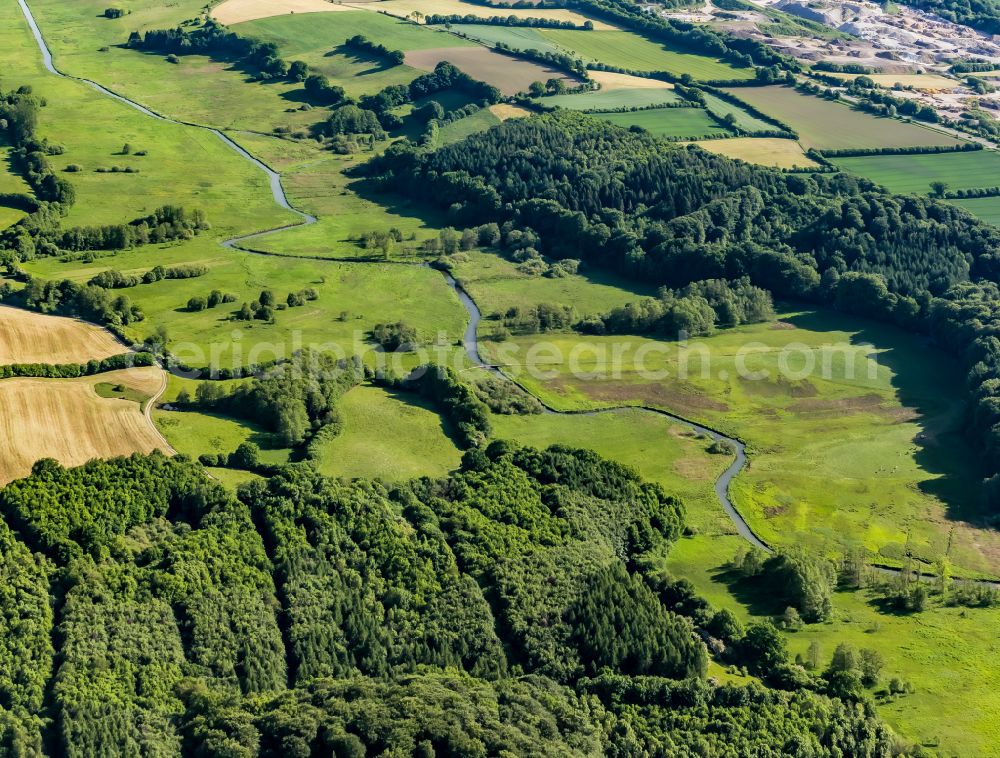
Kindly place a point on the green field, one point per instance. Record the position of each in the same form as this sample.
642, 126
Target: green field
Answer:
316, 38
352, 299
672, 123
194, 433
745, 120
986, 208
11, 180
660, 450
519, 37
634, 52
864, 448
609, 100
388, 435
941, 651
827, 125
479, 121
496, 284
913, 174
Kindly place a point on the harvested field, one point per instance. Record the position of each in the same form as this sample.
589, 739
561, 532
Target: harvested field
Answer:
237, 11
509, 75
504, 111
65, 419
613, 80
765, 151
406, 8
827, 125
924, 82
27, 337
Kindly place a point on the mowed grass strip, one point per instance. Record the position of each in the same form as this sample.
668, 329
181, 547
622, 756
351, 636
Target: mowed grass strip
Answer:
234, 11
672, 123
27, 337
632, 51
67, 420
388, 435
607, 100
913, 174
827, 125
508, 74
764, 151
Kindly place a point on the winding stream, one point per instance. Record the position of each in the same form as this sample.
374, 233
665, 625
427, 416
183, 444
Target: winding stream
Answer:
470, 338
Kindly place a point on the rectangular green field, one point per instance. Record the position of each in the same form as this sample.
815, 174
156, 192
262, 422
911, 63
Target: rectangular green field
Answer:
986, 208
827, 125
609, 100
909, 174
456, 131
673, 123
636, 53
520, 37
745, 120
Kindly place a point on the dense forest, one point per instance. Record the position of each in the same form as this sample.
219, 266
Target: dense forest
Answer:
983, 15
623, 200
508, 609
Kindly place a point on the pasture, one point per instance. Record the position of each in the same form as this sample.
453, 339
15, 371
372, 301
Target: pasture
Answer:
196, 89
11, 180
418, 9
853, 428
672, 123
986, 208
913, 174
67, 420
765, 151
940, 651
827, 125
317, 40
234, 11
497, 284
352, 299
520, 37
508, 74
28, 337
744, 120
183, 166
479, 121
634, 52
612, 99
661, 450
388, 435
195, 433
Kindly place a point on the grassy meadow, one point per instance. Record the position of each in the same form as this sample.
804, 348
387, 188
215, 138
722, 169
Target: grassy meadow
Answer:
853, 430
388, 435
913, 174
745, 120
519, 37
827, 125
986, 208
609, 100
672, 123
497, 284
194, 433
634, 52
